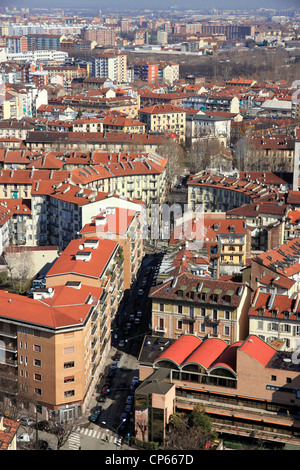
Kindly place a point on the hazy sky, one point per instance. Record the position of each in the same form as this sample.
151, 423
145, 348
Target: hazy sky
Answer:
154, 4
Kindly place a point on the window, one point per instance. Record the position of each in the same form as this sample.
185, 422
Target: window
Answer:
38, 391
37, 348
179, 325
273, 377
37, 362
161, 323
226, 330
69, 393
202, 312
161, 307
69, 350
227, 315
37, 377
69, 379
179, 308
67, 365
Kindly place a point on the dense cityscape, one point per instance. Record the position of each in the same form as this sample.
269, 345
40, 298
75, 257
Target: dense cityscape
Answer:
149, 229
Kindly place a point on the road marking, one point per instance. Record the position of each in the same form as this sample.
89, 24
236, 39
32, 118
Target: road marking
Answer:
74, 441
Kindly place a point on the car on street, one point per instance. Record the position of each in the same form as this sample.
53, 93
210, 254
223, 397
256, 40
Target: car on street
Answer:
101, 398
131, 317
42, 426
127, 408
95, 415
117, 357
137, 321
139, 314
129, 399
24, 437
26, 421
42, 445
141, 292
121, 343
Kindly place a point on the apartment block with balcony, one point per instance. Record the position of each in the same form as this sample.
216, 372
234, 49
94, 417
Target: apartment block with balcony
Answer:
53, 348
165, 118
275, 317
201, 306
125, 226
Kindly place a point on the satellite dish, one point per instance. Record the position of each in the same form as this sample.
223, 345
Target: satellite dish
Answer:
50, 290
80, 247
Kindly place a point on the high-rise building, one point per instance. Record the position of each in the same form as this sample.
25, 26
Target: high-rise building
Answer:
110, 66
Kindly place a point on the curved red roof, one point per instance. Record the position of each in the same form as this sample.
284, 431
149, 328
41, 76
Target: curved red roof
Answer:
181, 349
207, 353
228, 358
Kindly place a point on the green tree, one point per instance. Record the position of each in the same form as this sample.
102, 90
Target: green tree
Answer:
191, 431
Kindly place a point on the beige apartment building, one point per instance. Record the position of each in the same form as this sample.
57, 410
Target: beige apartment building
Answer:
54, 346
201, 306
49, 348
165, 118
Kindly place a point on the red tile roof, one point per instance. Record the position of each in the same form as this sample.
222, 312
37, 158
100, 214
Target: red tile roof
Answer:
99, 258
257, 349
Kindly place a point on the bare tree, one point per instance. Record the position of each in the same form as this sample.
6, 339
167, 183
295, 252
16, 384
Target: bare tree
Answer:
18, 263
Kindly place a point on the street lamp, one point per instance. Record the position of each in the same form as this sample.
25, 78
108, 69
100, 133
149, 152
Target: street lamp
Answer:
113, 429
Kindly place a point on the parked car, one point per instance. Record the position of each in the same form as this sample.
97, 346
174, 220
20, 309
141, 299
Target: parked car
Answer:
131, 317
137, 321
121, 343
127, 408
25, 437
117, 357
101, 398
95, 416
129, 399
41, 445
42, 426
26, 421
139, 314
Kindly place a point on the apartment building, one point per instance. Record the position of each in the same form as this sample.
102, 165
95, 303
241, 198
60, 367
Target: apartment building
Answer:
231, 235
267, 222
214, 101
15, 128
292, 225
282, 260
16, 44
276, 317
146, 71
54, 347
165, 118
197, 305
296, 174
275, 152
88, 142
139, 176
248, 388
199, 125
219, 193
125, 226
111, 66
101, 35
59, 211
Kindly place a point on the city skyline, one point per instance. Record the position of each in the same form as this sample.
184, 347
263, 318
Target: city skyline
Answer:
155, 4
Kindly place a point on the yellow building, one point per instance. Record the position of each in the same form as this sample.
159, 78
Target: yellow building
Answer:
165, 118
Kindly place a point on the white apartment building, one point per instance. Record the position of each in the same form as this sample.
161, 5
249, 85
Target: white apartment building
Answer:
110, 66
